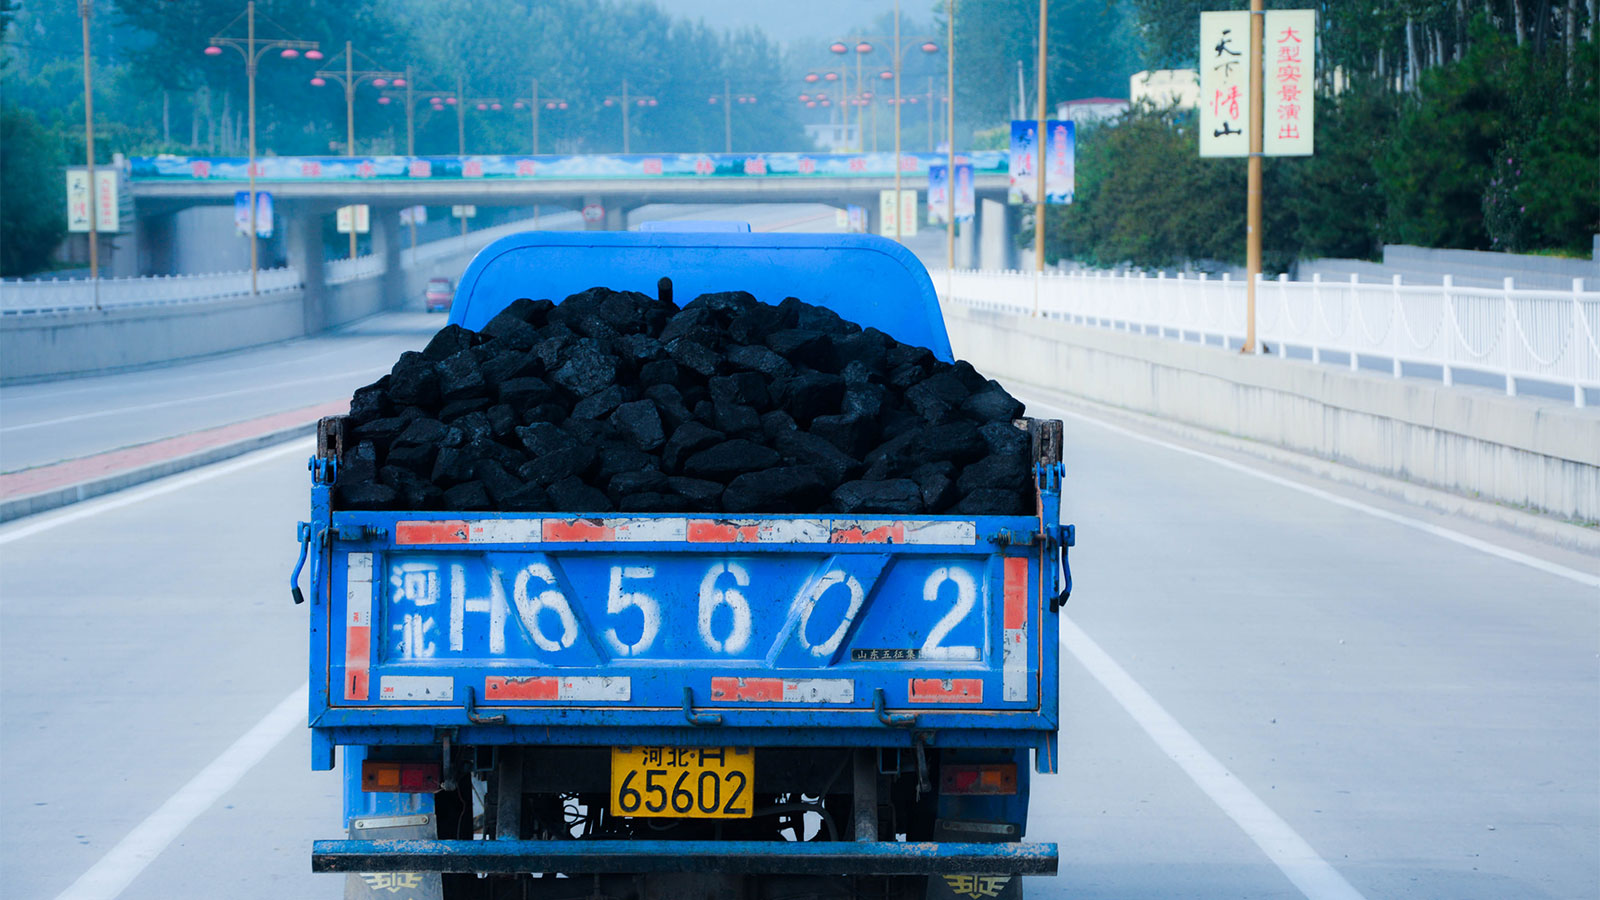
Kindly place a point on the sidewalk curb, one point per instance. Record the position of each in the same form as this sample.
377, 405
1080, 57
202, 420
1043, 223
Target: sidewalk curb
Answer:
1563, 534
55, 498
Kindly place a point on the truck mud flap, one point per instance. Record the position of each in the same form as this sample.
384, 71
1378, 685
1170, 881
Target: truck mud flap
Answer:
726, 857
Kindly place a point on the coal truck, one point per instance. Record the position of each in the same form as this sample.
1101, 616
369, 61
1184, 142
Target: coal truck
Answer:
700, 700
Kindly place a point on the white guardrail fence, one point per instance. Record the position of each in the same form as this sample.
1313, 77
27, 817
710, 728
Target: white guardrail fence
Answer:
1545, 335
24, 297
54, 296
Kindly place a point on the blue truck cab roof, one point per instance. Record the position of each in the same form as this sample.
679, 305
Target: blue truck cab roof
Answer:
868, 280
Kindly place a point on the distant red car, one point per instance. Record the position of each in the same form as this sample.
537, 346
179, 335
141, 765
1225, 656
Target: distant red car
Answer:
436, 296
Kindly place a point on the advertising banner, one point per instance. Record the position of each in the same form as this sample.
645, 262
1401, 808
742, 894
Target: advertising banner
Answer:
353, 218
906, 213
241, 213
77, 200
1225, 84
1288, 47
549, 168
939, 198
107, 205
1060, 163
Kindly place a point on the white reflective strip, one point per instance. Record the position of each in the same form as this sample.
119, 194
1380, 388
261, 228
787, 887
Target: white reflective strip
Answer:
941, 532
416, 687
650, 529
789, 531
505, 531
819, 690
1014, 667
601, 687
358, 590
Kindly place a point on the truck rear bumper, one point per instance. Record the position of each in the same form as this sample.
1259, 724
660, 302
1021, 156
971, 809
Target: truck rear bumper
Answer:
724, 857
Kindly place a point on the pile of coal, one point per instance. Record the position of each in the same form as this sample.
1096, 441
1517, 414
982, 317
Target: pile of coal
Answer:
618, 401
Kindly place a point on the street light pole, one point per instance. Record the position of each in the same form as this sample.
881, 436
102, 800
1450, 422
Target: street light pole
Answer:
535, 108
624, 116
950, 136
1040, 139
88, 132
897, 118
727, 116
349, 125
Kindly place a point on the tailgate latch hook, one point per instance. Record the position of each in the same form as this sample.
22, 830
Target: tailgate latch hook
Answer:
472, 711
697, 718
893, 720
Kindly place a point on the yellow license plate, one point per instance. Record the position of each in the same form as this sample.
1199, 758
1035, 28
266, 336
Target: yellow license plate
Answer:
683, 782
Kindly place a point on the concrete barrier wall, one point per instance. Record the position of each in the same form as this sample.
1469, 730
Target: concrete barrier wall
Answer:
1515, 450
37, 347
44, 346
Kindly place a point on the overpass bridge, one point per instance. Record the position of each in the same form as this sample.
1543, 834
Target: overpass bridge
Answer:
306, 189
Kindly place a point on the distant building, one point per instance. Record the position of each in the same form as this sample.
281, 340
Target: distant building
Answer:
1166, 87
832, 138
1091, 109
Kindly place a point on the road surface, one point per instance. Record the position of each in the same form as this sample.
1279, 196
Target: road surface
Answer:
1423, 715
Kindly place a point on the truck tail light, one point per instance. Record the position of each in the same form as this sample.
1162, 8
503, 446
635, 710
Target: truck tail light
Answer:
996, 778
378, 776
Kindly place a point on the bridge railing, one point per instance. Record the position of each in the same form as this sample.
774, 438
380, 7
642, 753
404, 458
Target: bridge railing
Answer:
19, 297
1544, 335
339, 271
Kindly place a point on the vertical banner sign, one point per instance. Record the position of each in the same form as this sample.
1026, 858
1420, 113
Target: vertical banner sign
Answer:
107, 209
938, 194
1022, 160
1288, 49
77, 200
1225, 84
966, 200
241, 213
939, 198
352, 218
1060, 162
858, 218
413, 215
905, 210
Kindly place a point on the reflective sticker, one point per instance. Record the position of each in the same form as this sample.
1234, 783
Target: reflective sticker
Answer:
578, 530
358, 625
1014, 639
650, 529
868, 532
606, 688
505, 531
946, 690
426, 688
757, 531
441, 532
783, 690
962, 533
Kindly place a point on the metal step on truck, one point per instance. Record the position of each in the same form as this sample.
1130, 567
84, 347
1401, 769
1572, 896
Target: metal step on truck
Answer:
570, 705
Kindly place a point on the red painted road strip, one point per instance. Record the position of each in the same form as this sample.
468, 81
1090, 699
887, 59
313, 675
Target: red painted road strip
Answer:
114, 462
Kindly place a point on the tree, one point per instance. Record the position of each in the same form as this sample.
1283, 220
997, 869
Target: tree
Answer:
32, 197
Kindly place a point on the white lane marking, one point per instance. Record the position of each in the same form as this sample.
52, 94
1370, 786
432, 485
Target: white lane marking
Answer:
183, 400
79, 511
1282, 844
117, 869
1549, 568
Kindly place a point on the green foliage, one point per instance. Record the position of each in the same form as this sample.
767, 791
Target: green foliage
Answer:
1092, 53
32, 197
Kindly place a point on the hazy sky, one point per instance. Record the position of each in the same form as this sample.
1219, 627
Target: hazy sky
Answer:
788, 20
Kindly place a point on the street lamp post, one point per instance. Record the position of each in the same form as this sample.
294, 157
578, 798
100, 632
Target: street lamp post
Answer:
727, 100
625, 101
88, 132
351, 78
950, 138
252, 50
535, 104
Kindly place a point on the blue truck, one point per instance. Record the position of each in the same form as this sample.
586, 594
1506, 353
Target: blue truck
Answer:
582, 705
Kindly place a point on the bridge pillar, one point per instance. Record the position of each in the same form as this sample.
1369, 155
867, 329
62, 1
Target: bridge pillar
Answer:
386, 243
996, 247
967, 244
616, 217
303, 231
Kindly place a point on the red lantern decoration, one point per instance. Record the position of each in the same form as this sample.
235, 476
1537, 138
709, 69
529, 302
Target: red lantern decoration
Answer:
886, 75
812, 77
863, 47
318, 82
839, 47
379, 82
313, 54
930, 47
384, 101
213, 51
289, 53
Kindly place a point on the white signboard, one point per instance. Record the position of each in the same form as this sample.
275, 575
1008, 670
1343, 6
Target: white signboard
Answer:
1225, 84
907, 213
413, 215
1288, 55
241, 213
107, 212
469, 211
353, 218
77, 200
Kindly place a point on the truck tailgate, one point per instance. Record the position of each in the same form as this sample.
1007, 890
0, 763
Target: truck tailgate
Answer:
667, 621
